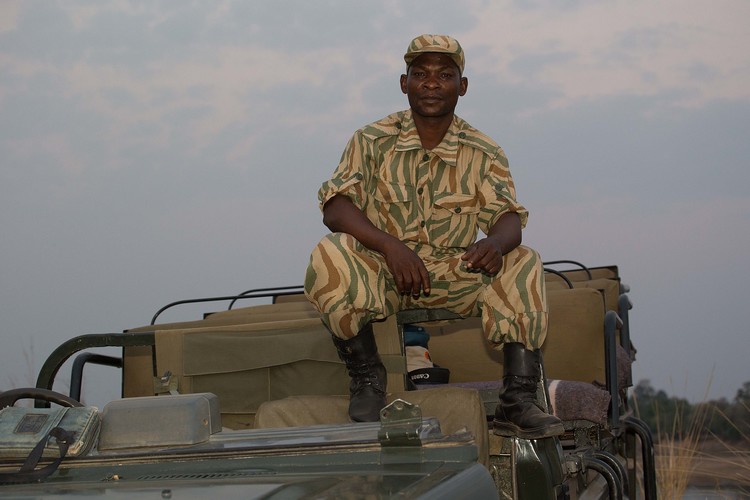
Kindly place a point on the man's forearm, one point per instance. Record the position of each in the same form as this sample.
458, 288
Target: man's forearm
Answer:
507, 231
340, 215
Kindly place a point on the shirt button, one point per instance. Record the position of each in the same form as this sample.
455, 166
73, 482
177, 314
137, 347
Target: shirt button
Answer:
462, 135
420, 190
457, 210
422, 224
426, 157
359, 176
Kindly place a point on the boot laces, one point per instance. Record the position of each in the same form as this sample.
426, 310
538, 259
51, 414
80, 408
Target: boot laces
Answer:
364, 375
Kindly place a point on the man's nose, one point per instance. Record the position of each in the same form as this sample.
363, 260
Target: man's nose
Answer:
431, 82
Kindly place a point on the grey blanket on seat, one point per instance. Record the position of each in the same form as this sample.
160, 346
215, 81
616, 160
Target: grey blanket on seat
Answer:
570, 400
579, 401
573, 400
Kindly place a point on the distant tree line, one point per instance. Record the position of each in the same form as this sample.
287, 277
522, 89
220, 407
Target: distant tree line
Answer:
676, 417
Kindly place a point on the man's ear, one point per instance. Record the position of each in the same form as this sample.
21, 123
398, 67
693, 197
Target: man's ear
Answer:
403, 83
464, 86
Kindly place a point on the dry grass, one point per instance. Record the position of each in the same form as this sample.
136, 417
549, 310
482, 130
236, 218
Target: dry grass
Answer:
678, 451
685, 457
725, 464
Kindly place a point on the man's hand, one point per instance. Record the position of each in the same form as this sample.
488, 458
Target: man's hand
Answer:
408, 270
485, 255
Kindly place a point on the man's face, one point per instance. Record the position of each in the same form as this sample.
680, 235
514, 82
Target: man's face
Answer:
433, 85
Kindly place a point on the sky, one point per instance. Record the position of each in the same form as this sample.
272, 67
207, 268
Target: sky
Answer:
162, 150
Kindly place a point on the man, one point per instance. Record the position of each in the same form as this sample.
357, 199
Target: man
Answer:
404, 207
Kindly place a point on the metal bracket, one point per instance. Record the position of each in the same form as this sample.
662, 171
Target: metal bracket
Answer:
166, 384
400, 424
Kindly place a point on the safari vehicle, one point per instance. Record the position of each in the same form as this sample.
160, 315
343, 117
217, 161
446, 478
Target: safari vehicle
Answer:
251, 402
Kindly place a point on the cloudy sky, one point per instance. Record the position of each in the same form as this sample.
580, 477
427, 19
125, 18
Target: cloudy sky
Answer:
156, 151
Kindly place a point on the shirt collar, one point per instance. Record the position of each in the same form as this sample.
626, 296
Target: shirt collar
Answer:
408, 139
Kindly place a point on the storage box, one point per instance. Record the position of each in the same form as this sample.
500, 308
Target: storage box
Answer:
159, 421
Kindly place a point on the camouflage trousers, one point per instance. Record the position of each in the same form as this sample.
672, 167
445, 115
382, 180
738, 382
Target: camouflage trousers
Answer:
351, 285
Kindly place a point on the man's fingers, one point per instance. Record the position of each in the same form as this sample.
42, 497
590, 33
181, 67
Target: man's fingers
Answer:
474, 260
415, 281
470, 252
416, 287
407, 284
425, 280
493, 265
402, 285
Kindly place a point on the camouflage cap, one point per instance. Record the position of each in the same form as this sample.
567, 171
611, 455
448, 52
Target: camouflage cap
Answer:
435, 43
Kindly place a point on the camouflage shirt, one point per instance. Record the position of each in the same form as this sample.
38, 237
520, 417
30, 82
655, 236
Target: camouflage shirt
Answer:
437, 198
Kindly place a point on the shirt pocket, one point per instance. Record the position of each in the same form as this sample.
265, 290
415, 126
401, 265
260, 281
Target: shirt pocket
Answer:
394, 207
454, 219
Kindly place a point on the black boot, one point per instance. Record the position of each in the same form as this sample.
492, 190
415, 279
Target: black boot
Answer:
518, 413
367, 388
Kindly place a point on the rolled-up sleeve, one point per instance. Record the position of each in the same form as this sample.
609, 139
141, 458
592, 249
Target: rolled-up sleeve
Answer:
498, 194
348, 177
